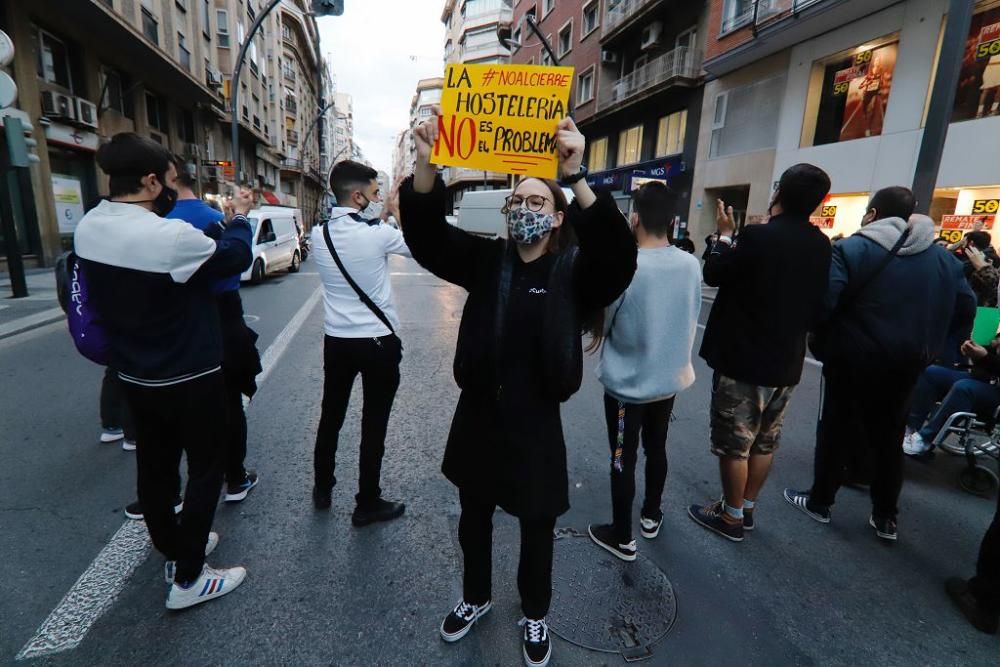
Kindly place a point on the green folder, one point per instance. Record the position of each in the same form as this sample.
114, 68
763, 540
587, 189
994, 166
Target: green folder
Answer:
986, 325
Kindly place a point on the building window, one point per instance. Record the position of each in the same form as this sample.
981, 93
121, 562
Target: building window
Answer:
566, 39
598, 158
183, 54
206, 18
150, 26
115, 86
670, 134
185, 126
630, 145
53, 61
849, 94
222, 29
736, 14
156, 113
516, 38
745, 119
547, 6
591, 18
585, 87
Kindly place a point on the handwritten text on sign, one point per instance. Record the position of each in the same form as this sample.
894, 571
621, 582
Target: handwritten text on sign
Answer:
502, 118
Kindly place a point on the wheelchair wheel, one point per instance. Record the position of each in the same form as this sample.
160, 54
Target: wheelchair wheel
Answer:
978, 480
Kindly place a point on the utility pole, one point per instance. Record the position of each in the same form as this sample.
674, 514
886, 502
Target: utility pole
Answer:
942, 102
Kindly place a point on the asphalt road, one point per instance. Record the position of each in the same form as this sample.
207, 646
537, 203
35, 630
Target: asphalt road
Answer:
320, 592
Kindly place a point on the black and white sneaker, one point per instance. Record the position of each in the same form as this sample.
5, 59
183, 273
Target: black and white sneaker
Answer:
537, 648
458, 623
134, 510
884, 528
113, 434
237, 492
650, 527
604, 537
800, 501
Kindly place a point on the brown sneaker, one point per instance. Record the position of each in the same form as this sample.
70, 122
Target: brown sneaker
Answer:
715, 519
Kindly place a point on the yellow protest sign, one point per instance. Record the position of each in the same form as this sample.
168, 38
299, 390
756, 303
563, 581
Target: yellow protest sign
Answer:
502, 118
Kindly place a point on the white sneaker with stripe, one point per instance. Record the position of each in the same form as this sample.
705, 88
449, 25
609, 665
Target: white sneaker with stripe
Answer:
171, 565
211, 584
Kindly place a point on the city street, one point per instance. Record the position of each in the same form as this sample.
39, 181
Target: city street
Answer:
320, 592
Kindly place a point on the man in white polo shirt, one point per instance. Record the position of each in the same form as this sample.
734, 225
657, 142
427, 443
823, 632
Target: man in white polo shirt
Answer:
360, 327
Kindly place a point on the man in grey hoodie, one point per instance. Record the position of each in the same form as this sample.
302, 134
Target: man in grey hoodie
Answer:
645, 361
894, 298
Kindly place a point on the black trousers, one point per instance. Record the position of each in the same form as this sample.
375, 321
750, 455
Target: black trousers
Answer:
377, 360
115, 412
985, 586
189, 417
534, 570
236, 435
864, 419
626, 422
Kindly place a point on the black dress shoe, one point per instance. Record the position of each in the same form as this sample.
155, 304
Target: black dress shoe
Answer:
380, 510
321, 498
982, 620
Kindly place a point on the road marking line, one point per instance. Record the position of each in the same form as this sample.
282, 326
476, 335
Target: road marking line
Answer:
99, 586
29, 321
808, 360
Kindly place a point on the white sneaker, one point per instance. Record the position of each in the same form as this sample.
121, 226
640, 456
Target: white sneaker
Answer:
112, 435
211, 584
170, 566
914, 445
128, 445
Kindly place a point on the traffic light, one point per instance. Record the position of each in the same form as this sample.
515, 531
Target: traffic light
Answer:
328, 7
20, 145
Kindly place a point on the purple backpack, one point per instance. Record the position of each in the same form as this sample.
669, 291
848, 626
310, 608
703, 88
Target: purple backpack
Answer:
89, 336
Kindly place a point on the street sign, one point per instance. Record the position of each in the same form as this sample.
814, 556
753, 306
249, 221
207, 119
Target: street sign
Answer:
6, 49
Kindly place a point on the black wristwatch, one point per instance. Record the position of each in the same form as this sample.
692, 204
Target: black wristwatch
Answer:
578, 176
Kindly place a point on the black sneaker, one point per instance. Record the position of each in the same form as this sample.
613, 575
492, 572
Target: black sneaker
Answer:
748, 523
650, 527
458, 623
537, 648
717, 520
800, 501
134, 510
604, 537
884, 528
984, 621
321, 498
237, 492
380, 510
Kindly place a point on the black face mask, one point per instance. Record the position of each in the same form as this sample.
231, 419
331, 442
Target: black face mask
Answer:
165, 201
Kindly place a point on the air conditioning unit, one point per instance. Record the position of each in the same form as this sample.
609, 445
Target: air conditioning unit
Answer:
651, 35
215, 78
86, 112
58, 105
609, 57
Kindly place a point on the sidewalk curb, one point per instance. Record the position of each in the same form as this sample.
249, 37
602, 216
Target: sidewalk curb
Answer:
36, 321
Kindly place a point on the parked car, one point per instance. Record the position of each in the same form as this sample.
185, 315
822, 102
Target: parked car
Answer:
275, 242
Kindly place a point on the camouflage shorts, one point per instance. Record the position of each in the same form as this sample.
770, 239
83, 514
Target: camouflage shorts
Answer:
746, 418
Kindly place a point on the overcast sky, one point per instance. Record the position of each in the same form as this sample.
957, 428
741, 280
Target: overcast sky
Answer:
379, 50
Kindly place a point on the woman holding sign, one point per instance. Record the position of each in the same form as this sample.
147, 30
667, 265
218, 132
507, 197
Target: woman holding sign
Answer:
518, 356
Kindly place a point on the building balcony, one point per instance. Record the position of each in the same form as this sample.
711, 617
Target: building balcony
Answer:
291, 164
620, 13
459, 175
768, 10
481, 52
682, 65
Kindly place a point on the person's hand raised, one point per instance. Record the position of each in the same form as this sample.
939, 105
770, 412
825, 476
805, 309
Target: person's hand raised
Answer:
570, 147
243, 202
425, 135
724, 219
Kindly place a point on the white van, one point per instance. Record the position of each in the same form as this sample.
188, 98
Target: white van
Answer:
274, 242
479, 212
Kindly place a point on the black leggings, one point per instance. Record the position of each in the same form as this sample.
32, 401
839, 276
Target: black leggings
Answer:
626, 422
534, 571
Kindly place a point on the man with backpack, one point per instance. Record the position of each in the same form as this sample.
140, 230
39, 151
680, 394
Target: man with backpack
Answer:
351, 253
148, 281
894, 298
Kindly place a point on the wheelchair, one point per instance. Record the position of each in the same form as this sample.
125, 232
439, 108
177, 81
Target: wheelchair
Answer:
964, 434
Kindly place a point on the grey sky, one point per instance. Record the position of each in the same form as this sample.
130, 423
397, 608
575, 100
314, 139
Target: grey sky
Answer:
379, 50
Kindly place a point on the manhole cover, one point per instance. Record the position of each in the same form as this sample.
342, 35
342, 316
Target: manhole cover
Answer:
604, 604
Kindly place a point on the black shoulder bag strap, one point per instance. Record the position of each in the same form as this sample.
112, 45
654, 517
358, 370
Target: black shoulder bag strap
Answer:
365, 299
847, 300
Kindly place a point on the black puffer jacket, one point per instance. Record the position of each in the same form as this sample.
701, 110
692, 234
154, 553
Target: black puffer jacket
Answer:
506, 442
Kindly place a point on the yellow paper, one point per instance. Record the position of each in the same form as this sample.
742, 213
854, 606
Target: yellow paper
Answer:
502, 118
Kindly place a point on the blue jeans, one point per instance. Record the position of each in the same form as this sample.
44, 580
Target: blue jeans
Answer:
934, 383
966, 395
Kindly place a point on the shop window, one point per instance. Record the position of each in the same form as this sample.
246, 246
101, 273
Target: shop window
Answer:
745, 118
598, 158
849, 94
670, 134
53, 60
978, 93
630, 145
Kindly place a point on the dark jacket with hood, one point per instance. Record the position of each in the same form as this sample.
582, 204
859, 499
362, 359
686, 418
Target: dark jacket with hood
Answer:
901, 319
506, 441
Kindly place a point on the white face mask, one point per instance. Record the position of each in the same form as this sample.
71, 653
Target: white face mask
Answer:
373, 210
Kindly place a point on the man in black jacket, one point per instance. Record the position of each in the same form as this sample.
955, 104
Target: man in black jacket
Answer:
894, 299
771, 286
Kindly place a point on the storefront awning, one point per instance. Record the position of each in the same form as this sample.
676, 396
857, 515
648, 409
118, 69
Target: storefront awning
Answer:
663, 169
